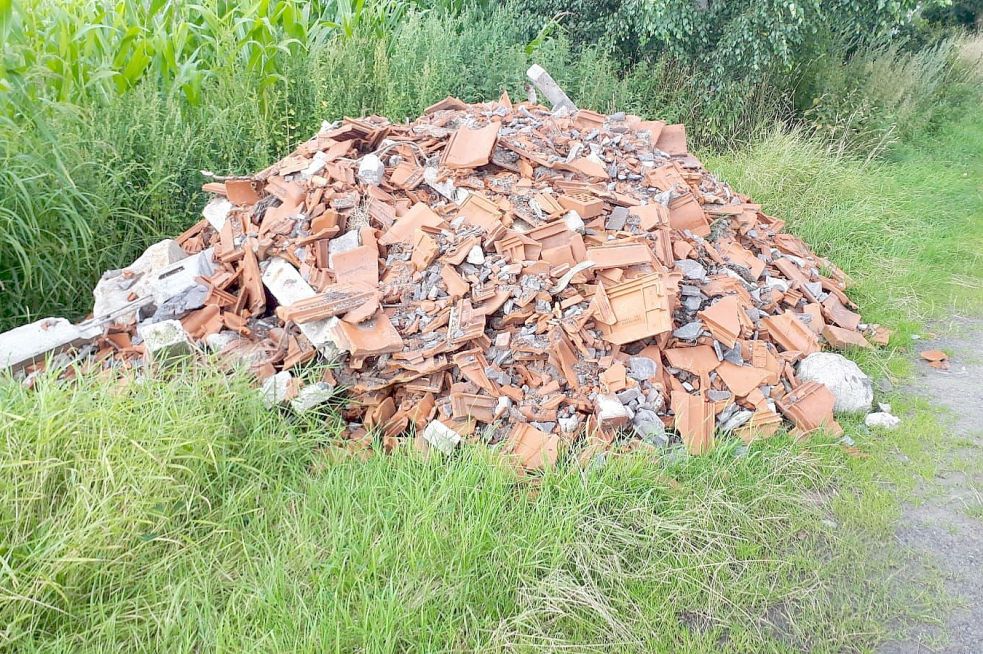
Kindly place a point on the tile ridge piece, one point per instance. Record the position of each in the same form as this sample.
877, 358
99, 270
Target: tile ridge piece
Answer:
640, 307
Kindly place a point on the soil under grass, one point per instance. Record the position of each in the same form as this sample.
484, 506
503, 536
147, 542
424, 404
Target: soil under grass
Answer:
177, 514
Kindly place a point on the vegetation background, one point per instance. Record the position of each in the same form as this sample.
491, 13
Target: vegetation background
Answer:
109, 110
178, 514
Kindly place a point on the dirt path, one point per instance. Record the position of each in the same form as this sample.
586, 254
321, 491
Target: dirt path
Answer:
946, 525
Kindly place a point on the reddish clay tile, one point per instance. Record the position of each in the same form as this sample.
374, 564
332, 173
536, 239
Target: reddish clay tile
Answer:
790, 333
810, 407
242, 191
686, 213
694, 420
533, 448
369, 338
617, 255
672, 139
741, 380
358, 266
725, 318
640, 307
839, 315
471, 148
480, 211
935, 358
407, 226
840, 338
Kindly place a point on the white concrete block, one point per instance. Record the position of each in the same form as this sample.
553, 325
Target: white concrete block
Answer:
181, 276
165, 339
288, 286
441, 437
29, 343
116, 287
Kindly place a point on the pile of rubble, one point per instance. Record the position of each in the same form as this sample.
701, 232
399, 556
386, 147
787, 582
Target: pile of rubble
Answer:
490, 272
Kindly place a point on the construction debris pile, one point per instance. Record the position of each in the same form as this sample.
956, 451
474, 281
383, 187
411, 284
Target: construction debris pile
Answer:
492, 273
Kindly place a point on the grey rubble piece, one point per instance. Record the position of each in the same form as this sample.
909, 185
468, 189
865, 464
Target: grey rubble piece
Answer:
312, 395
441, 437
176, 289
116, 287
548, 87
883, 420
371, 170
853, 390
216, 212
276, 389
30, 343
164, 340
287, 286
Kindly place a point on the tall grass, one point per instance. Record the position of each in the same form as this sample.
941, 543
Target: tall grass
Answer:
179, 514
98, 163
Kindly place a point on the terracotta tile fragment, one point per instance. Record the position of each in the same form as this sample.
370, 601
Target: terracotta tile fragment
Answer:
694, 420
640, 308
471, 148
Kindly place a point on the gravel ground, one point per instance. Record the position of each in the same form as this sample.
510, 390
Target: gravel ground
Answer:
947, 523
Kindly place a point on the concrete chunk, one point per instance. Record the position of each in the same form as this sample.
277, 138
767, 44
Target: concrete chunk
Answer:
287, 286
276, 389
30, 343
116, 288
548, 87
164, 340
441, 437
311, 396
216, 212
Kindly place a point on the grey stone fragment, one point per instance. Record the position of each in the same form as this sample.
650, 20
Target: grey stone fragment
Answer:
641, 368
853, 390
276, 388
311, 396
441, 437
736, 420
650, 428
628, 395
690, 331
882, 420
815, 288
371, 170
617, 219
718, 396
693, 303
691, 269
